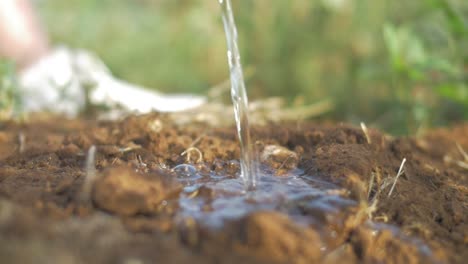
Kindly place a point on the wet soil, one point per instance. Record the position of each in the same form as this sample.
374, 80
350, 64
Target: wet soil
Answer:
162, 192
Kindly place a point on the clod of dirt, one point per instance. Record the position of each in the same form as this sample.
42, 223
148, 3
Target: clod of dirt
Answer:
125, 192
279, 158
269, 237
274, 235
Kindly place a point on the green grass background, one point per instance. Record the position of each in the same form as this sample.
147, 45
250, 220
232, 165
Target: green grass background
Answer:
396, 64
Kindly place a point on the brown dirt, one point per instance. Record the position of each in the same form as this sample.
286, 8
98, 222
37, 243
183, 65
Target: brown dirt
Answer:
323, 197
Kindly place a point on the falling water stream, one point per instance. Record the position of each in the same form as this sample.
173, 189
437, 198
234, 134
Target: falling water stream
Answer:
248, 163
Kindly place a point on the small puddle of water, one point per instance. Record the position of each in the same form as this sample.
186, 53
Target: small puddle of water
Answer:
214, 198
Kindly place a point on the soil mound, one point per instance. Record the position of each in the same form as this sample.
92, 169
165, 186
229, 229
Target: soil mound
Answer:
170, 193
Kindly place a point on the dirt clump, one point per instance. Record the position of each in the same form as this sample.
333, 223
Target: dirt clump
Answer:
268, 237
123, 191
279, 158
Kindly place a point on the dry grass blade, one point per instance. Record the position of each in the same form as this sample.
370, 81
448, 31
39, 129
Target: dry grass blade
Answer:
366, 132
372, 208
197, 140
189, 151
462, 164
371, 185
129, 148
462, 151
400, 172
141, 165
85, 195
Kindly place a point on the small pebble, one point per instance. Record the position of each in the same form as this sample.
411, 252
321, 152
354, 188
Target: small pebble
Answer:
279, 158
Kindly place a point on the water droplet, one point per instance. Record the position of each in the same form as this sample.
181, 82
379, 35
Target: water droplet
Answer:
186, 172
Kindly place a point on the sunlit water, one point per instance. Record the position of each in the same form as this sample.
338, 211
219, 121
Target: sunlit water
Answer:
239, 98
214, 198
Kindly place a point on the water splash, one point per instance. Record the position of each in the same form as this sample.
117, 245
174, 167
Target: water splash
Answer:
239, 98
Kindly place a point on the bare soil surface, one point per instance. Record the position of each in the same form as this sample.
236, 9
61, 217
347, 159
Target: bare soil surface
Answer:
159, 192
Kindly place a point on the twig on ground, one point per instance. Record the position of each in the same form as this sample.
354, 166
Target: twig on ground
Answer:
366, 132
400, 172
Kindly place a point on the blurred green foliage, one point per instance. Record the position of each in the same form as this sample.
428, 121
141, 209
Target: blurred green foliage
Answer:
397, 64
9, 97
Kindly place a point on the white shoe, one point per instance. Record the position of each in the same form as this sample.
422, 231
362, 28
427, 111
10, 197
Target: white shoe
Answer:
58, 83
